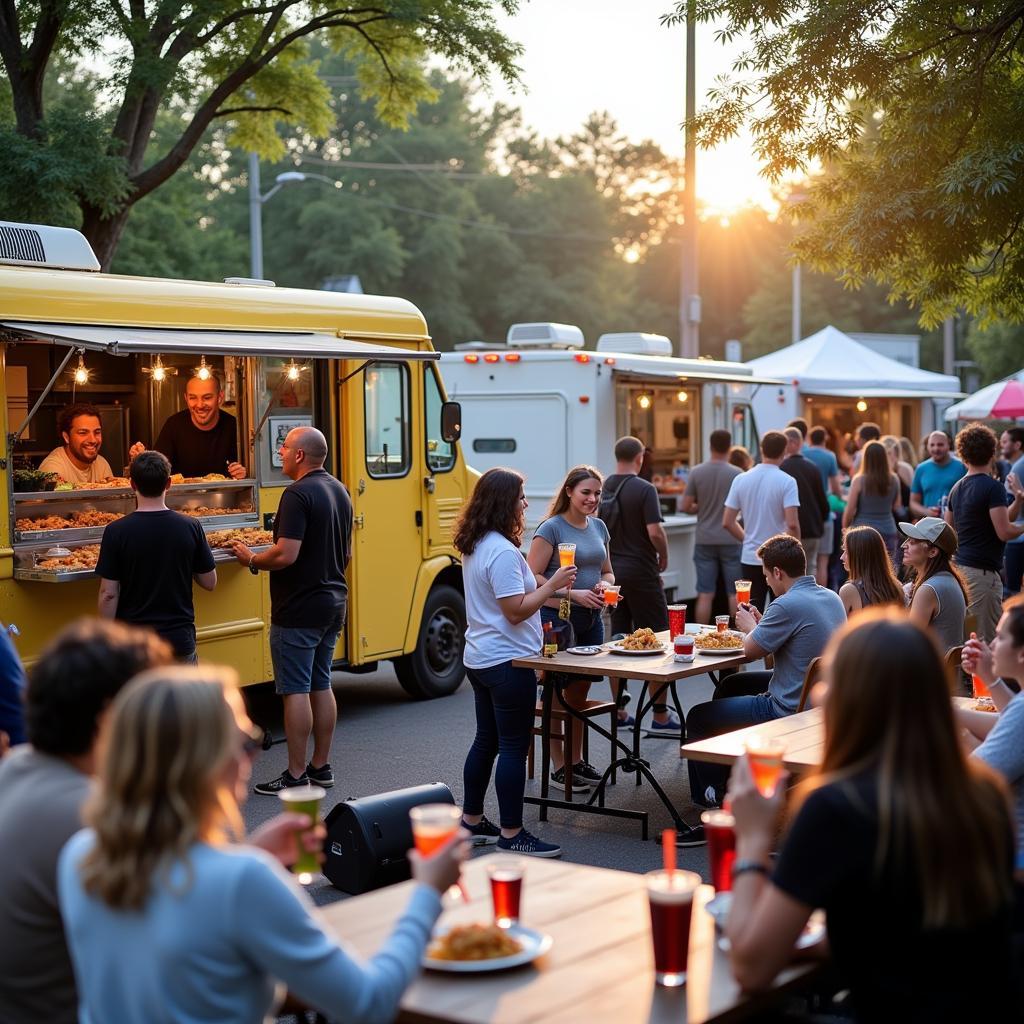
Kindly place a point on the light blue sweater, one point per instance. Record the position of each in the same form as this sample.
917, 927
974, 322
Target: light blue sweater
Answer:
216, 937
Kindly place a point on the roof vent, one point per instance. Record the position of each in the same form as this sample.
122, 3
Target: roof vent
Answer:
544, 336
636, 344
39, 245
250, 282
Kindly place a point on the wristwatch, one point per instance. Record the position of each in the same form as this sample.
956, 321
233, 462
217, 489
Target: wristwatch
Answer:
743, 867
252, 567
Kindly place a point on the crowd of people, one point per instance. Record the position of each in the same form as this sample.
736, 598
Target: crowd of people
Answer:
864, 563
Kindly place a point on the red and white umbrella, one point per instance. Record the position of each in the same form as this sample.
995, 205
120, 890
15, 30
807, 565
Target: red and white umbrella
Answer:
1003, 400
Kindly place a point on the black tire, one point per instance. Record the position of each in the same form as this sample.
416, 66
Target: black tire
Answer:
434, 668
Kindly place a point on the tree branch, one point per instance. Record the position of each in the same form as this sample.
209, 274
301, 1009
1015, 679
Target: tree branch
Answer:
228, 111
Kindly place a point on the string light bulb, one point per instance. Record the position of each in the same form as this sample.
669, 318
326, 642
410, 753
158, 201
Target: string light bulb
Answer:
644, 401
293, 370
203, 371
158, 373
682, 396
81, 371
862, 406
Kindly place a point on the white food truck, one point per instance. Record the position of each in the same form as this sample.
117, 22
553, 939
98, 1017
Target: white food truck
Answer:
541, 403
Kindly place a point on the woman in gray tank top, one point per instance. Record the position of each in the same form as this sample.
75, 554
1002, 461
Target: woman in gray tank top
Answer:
939, 596
875, 496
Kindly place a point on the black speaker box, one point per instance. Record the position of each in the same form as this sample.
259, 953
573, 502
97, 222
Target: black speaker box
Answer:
367, 839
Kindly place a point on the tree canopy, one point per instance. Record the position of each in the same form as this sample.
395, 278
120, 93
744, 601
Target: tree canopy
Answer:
917, 110
89, 151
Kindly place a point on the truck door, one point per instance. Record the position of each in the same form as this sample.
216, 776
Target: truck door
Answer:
386, 552
444, 491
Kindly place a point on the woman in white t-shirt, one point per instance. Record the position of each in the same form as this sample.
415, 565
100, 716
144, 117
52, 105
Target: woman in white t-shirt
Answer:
503, 605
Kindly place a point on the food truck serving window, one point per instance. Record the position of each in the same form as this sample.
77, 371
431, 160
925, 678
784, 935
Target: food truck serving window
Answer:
286, 385
386, 404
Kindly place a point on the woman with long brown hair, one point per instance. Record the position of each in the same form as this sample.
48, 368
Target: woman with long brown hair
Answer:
904, 843
938, 593
875, 496
167, 919
872, 580
503, 605
572, 519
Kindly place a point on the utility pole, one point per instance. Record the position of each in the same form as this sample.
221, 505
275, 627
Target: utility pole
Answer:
795, 337
255, 219
949, 345
689, 299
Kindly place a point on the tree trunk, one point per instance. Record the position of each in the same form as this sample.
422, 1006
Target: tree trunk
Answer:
104, 233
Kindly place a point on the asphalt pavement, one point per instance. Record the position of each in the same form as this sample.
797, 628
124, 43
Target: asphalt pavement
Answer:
385, 741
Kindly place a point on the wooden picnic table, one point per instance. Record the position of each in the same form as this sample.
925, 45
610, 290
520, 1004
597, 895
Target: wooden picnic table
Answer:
802, 736
600, 967
654, 671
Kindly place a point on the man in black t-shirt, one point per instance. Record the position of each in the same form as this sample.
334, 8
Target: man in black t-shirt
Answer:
639, 554
149, 559
201, 439
813, 509
308, 599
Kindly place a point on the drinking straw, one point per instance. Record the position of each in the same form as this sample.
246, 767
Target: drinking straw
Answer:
668, 851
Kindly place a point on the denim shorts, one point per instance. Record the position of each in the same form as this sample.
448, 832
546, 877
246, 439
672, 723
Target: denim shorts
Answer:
710, 559
303, 657
587, 627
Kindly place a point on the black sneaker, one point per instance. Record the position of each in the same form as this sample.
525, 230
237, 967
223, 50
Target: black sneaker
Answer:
484, 833
322, 776
586, 771
695, 837
284, 781
578, 785
528, 845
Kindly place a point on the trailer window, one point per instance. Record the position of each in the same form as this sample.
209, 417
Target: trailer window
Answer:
440, 453
494, 444
386, 410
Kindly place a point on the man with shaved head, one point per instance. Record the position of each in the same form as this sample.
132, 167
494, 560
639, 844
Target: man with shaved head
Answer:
308, 601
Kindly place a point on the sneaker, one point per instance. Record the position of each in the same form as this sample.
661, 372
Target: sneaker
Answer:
671, 728
483, 833
284, 781
578, 785
528, 845
695, 837
322, 776
627, 723
585, 770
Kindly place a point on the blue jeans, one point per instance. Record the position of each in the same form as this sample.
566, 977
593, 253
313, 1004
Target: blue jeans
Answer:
302, 658
729, 709
1014, 567
506, 702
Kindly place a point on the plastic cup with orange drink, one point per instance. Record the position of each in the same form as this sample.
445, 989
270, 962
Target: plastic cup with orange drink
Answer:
566, 555
742, 591
765, 759
432, 826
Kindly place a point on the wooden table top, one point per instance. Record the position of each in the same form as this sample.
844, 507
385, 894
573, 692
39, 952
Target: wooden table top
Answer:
661, 667
802, 735
600, 968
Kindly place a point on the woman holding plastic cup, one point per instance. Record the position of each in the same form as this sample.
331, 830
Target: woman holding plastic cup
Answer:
905, 845
572, 529
167, 919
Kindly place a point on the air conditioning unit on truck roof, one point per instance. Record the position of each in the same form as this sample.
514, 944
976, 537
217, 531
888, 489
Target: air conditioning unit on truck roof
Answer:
544, 336
635, 343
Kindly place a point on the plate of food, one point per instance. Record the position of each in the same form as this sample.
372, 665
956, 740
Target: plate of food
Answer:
718, 908
640, 641
475, 948
985, 704
719, 644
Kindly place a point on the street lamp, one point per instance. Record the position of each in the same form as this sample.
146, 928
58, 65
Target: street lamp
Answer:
256, 202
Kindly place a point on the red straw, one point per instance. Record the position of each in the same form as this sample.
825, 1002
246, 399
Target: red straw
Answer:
668, 850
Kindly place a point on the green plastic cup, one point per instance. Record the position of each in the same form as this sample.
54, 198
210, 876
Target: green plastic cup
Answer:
304, 800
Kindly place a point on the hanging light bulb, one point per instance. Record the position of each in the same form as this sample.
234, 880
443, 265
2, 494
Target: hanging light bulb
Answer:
158, 373
293, 370
682, 396
203, 372
81, 371
644, 401
862, 406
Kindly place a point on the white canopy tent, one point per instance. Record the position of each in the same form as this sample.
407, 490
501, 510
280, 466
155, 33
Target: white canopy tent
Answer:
831, 365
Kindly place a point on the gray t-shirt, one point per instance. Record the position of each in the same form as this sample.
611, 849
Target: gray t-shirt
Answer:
1003, 751
796, 629
40, 809
708, 485
591, 548
949, 620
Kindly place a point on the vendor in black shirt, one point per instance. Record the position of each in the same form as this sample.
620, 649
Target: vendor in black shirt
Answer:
904, 843
201, 439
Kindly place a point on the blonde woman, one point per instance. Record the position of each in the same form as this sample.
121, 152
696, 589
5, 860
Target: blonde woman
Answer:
168, 920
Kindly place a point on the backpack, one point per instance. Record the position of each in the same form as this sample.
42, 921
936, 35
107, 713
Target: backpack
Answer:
609, 510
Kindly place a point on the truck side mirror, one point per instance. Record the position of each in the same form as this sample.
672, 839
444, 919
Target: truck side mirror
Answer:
451, 422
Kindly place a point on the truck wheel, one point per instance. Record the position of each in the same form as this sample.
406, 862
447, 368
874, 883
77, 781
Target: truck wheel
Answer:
434, 668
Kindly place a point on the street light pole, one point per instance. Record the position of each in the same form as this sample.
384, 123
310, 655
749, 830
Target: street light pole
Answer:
689, 300
796, 304
255, 219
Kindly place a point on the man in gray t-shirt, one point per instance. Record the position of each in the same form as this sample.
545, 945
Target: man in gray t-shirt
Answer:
795, 629
716, 551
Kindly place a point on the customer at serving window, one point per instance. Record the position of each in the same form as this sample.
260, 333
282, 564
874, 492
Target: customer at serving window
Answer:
872, 580
905, 844
78, 460
938, 593
572, 519
202, 439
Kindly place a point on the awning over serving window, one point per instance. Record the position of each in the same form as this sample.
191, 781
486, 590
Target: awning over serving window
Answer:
696, 376
126, 341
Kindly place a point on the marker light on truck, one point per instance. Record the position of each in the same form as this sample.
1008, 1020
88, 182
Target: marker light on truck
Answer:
512, 357
472, 358
581, 357
491, 357
609, 361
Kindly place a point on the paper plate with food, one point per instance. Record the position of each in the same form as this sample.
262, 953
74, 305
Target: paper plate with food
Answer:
640, 641
718, 644
474, 948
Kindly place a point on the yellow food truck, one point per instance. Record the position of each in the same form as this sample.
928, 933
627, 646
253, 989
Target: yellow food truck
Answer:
359, 367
